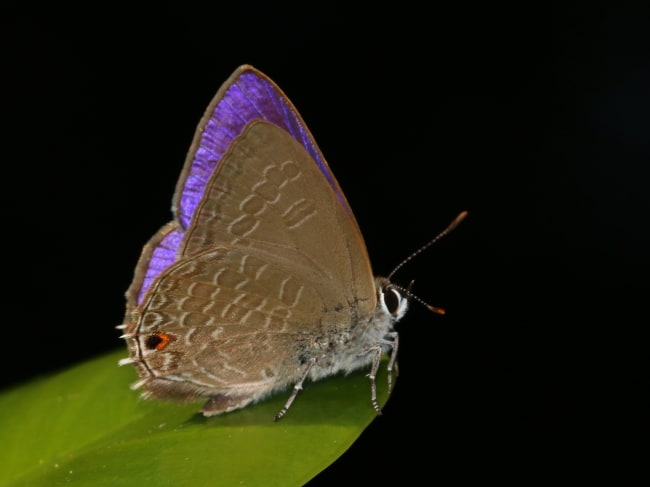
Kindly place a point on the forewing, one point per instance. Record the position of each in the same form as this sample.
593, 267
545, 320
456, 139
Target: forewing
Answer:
246, 96
268, 194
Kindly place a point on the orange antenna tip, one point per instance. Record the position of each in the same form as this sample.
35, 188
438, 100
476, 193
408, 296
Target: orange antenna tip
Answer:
436, 310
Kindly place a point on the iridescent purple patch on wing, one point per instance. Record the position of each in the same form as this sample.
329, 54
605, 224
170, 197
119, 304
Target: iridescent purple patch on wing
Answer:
163, 255
250, 97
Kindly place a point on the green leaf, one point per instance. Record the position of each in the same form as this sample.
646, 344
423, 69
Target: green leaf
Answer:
84, 426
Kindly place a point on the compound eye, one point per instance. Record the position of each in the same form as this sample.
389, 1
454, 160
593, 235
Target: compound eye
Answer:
392, 300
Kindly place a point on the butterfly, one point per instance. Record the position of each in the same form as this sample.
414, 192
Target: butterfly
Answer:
262, 279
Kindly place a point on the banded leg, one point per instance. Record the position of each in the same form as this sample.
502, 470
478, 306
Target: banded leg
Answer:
376, 360
296, 389
392, 363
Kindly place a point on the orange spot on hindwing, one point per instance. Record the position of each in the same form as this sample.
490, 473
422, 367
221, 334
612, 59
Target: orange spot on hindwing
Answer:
157, 341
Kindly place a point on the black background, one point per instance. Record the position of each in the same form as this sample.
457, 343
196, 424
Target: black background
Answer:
534, 119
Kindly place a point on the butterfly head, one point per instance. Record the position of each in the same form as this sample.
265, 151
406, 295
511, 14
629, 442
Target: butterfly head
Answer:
392, 299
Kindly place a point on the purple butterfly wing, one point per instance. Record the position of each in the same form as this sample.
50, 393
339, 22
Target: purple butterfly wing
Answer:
246, 96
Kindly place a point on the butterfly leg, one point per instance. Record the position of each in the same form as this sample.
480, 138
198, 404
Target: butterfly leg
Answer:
392, 363
296, 389
377, 350
376, 360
